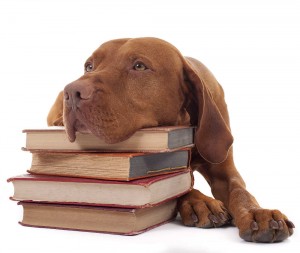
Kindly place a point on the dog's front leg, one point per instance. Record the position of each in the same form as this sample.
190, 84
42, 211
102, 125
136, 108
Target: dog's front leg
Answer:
255, 224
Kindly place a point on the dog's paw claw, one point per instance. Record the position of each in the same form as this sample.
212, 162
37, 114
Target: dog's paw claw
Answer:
213, 218
290, 224
194, 217
280, 224
223, 218
274, 224
254, 226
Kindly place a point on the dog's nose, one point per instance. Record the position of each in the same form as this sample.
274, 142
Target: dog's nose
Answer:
76, 92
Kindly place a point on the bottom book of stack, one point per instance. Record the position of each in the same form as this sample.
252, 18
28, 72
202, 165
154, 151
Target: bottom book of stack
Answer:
117, 207
97, 219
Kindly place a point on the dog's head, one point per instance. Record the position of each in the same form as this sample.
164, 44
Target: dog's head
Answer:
129, 84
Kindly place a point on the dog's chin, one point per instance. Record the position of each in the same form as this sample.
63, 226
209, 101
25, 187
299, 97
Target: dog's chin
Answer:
110, 134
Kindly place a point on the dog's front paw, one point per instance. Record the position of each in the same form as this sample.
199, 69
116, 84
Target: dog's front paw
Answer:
263, 225
198, 210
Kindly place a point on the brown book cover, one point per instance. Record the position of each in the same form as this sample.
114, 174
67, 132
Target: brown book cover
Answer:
111, 166
155, 139
97, 219
138, 193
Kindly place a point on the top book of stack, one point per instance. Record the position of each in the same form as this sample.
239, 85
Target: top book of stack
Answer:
155, 139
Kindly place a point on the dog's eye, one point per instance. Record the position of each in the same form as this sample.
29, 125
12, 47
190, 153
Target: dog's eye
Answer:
139, 66
88, 67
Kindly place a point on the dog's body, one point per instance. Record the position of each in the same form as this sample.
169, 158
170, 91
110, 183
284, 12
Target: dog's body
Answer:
134, 83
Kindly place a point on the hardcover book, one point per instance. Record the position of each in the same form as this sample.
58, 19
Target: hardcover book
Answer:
155, 139
97, 219
134, 194
111, 166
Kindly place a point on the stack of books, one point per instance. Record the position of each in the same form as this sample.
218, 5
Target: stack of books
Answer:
88, 185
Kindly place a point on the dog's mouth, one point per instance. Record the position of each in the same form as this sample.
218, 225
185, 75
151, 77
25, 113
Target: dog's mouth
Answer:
105, 126
73, 124
77, 126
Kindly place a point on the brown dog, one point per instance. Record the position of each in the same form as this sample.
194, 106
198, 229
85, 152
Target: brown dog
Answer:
134, 83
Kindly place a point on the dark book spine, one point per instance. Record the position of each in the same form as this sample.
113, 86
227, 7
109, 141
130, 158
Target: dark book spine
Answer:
159, 163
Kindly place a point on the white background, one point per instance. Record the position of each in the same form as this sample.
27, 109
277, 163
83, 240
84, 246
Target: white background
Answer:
252, 47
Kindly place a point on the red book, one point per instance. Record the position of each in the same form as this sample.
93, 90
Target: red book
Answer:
137, 193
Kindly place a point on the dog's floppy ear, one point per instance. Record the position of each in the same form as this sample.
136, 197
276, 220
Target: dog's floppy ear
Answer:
212, 137
55, 115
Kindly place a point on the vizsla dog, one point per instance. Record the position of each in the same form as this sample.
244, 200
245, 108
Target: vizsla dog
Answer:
130, 84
